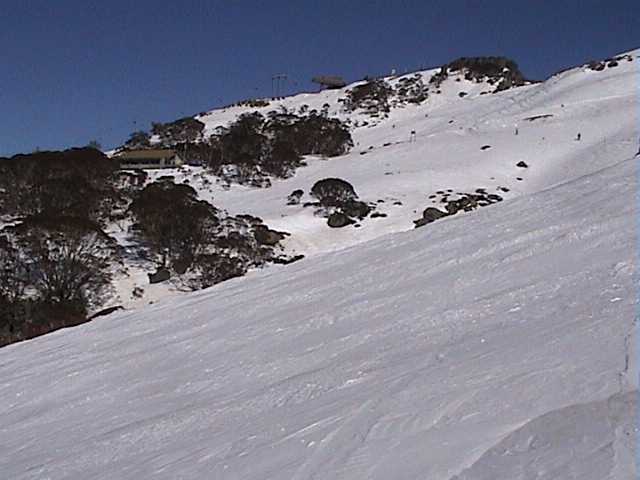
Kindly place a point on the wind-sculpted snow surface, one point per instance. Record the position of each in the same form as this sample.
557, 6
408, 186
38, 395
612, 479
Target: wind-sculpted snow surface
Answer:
499, 345
593, 440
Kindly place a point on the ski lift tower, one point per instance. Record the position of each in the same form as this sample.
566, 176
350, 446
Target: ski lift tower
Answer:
277, 82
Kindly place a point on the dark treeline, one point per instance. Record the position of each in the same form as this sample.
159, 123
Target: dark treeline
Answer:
57, 259
255, 147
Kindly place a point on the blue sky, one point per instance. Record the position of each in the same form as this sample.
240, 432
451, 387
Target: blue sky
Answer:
72, 71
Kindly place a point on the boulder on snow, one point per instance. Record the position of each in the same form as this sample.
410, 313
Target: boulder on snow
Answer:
161, 275
429, 215
355, 208
339, 220
467, 204
294, 197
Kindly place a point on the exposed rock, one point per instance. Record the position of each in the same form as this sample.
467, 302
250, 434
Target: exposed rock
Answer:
106, 311
162, 275
429, 215
339, 220
465, 203
596, 66
522, 164
294, 197
287, 260
356, 209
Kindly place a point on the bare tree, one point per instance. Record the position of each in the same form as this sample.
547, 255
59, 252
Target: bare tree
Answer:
67, 258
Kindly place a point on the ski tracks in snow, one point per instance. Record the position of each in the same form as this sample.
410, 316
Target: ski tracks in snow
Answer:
336, 449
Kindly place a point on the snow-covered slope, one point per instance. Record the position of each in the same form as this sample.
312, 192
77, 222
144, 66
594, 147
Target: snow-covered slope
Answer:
403, 177
498, 345
446, 154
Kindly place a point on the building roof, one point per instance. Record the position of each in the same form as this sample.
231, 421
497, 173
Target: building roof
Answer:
156, 154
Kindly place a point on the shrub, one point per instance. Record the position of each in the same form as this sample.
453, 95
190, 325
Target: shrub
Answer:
28, 318
252, 103
52, 270
77, 182
183, 130
198, 243
499, 70
333, 192
173, 222
214, 268
373, 97
412, 90
67, 259
138, 140
253, 148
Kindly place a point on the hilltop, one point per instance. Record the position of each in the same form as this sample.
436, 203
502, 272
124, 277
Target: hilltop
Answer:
471, 138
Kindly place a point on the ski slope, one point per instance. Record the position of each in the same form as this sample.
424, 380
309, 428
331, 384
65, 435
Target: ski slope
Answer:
498, 344
399, 175
446, 154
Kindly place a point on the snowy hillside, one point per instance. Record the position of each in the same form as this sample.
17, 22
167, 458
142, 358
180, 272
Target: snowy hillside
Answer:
461, 144
499, 345
496, 344
447, 152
